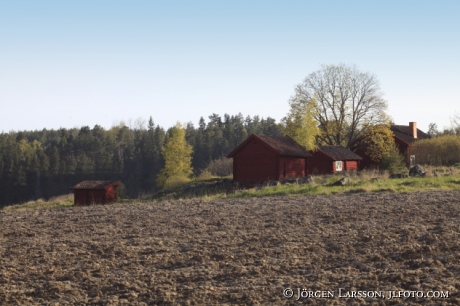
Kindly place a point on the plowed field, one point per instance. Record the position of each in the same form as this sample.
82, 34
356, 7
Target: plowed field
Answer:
236, 251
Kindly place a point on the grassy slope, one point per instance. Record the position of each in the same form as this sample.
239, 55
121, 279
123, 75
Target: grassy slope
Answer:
448, 179
356, 186
55, 202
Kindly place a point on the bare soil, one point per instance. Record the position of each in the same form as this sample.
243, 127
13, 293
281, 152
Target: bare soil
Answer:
234, 251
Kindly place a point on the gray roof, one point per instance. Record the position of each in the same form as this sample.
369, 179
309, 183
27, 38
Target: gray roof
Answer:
339, 153
282, 145
285, 145
402, 132
95, 184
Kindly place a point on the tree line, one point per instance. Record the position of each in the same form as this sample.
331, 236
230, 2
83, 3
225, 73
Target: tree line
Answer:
46, 163
336, 105
333, 106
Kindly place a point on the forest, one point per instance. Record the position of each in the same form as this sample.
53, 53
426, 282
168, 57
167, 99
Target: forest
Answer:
42, 164
336, 105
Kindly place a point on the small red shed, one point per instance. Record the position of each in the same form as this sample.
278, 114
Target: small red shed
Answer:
263, 158
95, 192
331, 159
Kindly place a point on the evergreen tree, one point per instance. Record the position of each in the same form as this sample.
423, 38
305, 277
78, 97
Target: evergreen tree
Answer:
54, 161
46, 163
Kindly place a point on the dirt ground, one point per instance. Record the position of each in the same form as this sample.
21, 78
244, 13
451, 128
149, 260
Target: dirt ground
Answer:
239, 251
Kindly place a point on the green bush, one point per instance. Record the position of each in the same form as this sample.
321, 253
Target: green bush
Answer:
175, 181
220, 167
121, 191
393, 161
204, 176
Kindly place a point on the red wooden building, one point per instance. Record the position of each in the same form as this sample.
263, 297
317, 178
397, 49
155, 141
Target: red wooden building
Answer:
331, 159
95, 192
263, 158
405, 136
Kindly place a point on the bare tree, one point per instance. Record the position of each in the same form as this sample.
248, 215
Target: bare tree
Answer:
348, 100
433, 129
456, 123
139, 124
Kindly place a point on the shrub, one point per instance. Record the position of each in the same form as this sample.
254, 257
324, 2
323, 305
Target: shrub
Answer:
393, 161
175, 181
205, 175
220, 167
121, 191
438, 151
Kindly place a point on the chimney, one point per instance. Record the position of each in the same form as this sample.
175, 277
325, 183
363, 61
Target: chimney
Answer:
413, 129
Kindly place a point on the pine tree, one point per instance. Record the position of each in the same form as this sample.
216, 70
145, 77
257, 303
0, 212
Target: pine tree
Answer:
177, 154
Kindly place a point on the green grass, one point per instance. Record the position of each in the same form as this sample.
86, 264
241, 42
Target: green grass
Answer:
357, 185
361, 182
53, 203
63, 201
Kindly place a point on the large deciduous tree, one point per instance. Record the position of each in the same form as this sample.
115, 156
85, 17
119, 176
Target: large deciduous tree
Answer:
348, 102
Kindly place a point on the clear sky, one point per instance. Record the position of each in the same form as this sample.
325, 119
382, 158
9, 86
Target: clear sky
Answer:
76, 63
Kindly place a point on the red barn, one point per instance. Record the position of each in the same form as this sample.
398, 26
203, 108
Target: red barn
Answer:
263, 158
331, 159
95, 192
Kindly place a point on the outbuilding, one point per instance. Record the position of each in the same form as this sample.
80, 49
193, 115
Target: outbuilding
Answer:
95, 192
262, 158
331, 159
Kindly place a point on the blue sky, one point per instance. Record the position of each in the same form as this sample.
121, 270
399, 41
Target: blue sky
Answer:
76, 63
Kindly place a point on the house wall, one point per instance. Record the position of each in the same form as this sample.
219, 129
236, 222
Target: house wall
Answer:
402, 146
111, 194
404, 149
333, 167
255, 162
351, 165
320, 164
347, 165
79, 197
366, 162
291, 167
88, 196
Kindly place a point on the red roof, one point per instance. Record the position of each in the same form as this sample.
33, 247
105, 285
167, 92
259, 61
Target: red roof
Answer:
95, 184
281, 145
339, 153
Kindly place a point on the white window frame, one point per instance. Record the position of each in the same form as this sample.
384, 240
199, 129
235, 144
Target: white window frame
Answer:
338, 165
412, 160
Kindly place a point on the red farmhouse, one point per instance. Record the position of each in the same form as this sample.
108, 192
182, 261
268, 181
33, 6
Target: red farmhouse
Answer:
331, 159
95, 192
405, 136
262, 158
